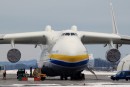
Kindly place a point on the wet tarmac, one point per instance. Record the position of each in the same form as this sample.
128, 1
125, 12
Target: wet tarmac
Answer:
55, 81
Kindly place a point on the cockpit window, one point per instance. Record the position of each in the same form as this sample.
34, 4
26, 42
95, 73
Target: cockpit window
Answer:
72, 34
69, 34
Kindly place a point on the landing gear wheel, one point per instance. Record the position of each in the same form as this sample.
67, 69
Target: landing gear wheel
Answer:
61, 77
71, 78
77, 76
126, 79
65, 77
117, 79
43, 78
82, 77
113, 79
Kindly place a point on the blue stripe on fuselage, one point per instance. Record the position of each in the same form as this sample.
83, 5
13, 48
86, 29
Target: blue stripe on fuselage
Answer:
66, 64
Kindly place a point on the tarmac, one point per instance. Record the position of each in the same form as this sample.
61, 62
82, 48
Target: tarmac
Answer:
90, 81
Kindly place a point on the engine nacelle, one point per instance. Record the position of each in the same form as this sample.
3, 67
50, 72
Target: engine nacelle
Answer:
113, 55
14, 55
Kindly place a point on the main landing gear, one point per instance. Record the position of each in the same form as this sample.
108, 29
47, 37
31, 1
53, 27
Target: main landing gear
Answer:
75, 76
63, 77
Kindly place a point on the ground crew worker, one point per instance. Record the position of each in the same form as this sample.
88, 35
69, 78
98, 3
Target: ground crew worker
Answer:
4, 75
35, 73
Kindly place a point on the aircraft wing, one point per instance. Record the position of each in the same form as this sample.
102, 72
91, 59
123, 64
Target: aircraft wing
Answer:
25, 38
103, 38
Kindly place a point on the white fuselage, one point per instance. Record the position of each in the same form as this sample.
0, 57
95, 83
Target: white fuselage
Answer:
67, 53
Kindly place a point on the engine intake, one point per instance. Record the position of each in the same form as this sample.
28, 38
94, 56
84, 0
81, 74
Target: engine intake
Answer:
14, 55
113, 55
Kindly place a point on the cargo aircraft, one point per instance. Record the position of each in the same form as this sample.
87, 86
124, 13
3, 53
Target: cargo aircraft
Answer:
63, 52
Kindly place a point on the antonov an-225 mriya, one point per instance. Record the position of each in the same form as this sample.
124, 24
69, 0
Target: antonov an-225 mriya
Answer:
63, 52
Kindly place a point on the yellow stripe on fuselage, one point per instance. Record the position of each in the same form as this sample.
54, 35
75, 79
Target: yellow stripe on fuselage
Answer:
67, 58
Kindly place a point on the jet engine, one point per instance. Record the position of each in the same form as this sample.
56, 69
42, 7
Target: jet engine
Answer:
113, 55
14, 55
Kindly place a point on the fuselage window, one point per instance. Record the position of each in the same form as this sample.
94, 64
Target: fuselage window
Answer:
67, 34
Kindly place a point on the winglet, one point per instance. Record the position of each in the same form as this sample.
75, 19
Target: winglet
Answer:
114, 26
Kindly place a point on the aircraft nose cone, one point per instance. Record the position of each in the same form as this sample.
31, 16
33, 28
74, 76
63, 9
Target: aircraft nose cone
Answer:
74, 49
72, 52
70, 46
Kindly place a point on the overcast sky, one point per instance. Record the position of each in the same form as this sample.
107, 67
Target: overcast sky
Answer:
88, 15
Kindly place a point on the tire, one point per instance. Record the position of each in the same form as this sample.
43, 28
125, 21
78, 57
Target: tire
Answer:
117, 79
113, 79
43, 78
126, 79
66, 78
82, 77
71, 78
61, 77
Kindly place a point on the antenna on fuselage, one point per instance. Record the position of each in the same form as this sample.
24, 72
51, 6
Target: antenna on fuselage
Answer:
48, 28
114, 26
74, 28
